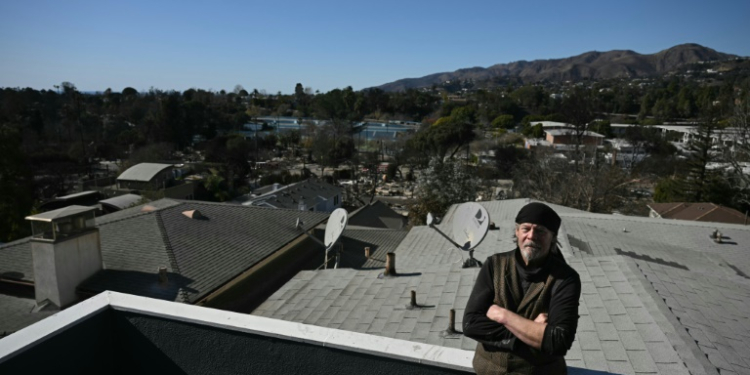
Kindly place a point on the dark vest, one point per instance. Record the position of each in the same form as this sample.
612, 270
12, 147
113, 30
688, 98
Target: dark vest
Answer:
509, 294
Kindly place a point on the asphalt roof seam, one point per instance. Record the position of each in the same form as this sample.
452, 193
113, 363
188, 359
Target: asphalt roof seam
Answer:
683, 337
170, 255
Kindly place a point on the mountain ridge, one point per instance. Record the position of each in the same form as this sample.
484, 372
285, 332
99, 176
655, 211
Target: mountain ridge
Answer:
591, 65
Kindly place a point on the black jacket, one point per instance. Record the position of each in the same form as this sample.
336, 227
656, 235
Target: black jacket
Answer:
562, 320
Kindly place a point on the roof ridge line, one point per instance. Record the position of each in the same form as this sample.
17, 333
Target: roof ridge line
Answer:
170, 254
708, 212
125, 218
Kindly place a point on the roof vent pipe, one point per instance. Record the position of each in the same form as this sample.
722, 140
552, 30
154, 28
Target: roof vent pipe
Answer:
452, 321
390, 264
367, 252
163, 279
413, 298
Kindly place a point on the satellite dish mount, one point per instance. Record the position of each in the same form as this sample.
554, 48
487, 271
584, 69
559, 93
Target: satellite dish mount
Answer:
470, 224
334, 228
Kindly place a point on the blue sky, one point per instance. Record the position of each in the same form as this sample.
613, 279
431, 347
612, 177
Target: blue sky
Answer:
176, 45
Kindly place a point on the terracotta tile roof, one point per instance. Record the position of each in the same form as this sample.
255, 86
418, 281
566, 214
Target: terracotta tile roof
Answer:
708, 212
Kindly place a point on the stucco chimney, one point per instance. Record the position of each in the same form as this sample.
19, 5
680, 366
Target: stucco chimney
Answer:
302, 205
66, 250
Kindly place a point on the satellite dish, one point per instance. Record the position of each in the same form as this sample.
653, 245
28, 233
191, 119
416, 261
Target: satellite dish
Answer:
430, 219
470, 224
336, 225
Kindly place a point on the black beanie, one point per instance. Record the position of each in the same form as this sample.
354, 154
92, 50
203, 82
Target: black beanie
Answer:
540, 214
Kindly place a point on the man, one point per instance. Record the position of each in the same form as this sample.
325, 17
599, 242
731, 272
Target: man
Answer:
523, 310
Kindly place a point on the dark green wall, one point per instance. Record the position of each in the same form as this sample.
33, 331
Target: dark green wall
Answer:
85, 348
115, 342
153, 345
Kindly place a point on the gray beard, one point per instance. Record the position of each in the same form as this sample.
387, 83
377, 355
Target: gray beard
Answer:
531, 255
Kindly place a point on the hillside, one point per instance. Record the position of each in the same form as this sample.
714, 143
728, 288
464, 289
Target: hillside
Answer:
591, 65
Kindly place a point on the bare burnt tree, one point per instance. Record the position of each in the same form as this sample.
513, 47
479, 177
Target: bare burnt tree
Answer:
738, 154
578, 110
593, 185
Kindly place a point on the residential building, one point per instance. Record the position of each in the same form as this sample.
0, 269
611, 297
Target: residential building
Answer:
569, 137
377, 214
154, 177
552, 125
124, 334
701, 211
624, 153
146, 176
658, 297
309, 195
213, 254
84, 198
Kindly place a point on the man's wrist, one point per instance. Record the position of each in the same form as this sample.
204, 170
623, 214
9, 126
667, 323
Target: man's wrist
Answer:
497, 314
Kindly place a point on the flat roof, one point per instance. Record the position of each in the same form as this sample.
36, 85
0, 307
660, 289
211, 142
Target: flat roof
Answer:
122, 201
572, 132
143, 172
60, 213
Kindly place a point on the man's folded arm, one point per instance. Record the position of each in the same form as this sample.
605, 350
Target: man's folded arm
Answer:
562, 318
476, 324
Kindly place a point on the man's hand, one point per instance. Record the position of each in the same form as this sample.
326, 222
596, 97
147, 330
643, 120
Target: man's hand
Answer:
497, 314
530, 332
542, 318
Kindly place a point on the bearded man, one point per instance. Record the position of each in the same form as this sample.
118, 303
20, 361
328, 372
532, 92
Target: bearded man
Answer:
523, 310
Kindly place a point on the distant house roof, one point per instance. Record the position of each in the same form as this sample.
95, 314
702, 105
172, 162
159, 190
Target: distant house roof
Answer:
143, 172
354, 241
657, 296
559, 132
121, 202
200, 255
311, 191
83, 198
377, 215
708, 212
59, 213
551, 124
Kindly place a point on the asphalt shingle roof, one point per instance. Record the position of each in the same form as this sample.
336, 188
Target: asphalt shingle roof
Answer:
311, 191
380, 242
377, 215
200, 255
16, 313
658, 296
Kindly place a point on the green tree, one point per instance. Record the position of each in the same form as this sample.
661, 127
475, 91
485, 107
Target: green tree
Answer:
16, 186
446, 136
215, 185
503, 122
